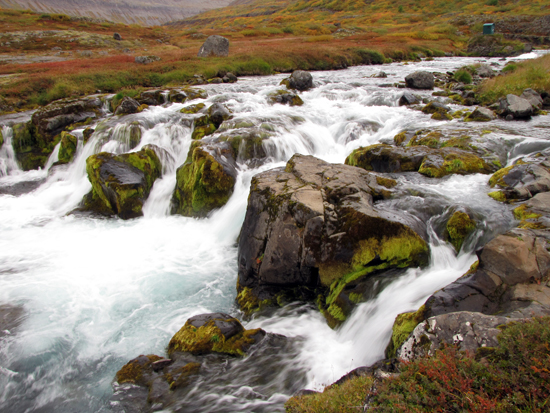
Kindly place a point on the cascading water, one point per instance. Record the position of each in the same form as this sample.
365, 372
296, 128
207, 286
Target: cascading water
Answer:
95, 293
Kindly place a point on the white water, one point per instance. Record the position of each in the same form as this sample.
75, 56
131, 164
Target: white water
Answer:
97, 293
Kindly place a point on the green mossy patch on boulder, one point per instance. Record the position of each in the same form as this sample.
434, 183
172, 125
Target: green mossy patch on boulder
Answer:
192, 109
202, 184
132, 372
31, 150
209, 337
498, 177
459, 226
203, 126
403, 326
1, 139
194, 93
454, 162
121, 184
67, 148
285, 97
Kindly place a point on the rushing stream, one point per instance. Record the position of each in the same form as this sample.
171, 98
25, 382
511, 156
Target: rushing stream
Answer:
96, 293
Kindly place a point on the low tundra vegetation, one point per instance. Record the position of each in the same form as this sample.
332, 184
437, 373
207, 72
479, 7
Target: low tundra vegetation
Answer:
512, 377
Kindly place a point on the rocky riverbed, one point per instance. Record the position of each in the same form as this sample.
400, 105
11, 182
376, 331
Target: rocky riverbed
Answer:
299, 215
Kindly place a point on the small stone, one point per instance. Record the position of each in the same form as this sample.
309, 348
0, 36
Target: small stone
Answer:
117, 36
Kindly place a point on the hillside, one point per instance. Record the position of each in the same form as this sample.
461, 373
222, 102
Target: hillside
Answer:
148, 13
429, 20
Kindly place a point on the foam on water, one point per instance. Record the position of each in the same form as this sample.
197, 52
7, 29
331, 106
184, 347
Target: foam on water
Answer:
99, 292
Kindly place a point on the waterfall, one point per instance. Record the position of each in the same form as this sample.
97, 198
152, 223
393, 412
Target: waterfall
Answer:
95, 293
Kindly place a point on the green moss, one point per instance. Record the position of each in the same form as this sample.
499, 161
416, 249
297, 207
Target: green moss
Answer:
194, 93
201, 184
31, 150
431, 108
441, 116
67, 148
200, 340
294, 101
461, 142
147, 161
403, 326
192, 109
497, 196
459, 226
455, 163
522, 212
132, 372
400, 138
498, 177
202, 127
386, 182
1, 139
431, 139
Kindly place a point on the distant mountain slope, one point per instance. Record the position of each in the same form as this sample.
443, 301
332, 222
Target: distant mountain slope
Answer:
152, 12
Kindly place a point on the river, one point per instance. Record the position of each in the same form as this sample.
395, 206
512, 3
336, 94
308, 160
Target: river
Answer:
96, 293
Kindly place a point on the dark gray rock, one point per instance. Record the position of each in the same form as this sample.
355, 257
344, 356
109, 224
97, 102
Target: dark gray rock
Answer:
533, 98
303, 228
229, 78
214, 46
285, 98
484, 70
420, 80
117, 36
127, 106
482, 114
228, 325
522, 181
299, 80
408, 99
218, 113
151, 97
516, 106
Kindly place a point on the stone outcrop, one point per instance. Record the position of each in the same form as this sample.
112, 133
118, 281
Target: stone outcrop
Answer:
515, 106
217, 46
121, 183
127, 106
431, 162
420, 80
481, 114
521, 181
145, 60
312, 230
206, 180
67, 148
299, 80
34, 141
215, 332
286, 98
493, 46
533, 97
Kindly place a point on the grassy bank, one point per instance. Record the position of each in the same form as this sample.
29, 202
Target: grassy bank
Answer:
513, 377
534, 74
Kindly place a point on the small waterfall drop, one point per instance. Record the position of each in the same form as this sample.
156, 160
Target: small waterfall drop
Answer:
8, 163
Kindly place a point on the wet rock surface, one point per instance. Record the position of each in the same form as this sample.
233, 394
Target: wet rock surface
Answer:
312, 229
420, 80
299, 80
187, 380
121, 184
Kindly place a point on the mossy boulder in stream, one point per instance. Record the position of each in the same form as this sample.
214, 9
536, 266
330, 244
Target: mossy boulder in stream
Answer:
313, 231
214, 333
205, 181
34, 141
403, 326
67, 148
432, 162
121, 184
459, 226
1, 139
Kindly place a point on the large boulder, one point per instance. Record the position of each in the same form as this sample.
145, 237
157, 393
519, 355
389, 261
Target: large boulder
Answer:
217, 46
533, 98
206, 180
481, 114
67, 148
432, 162
299, 80
121, 183
313, 231
520, 181
519, 108
215, 332
127, 106
407, 98
420, 80
34, 141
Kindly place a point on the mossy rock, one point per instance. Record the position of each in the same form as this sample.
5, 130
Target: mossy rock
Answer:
247, 145
1, 139
498, 177
121, 184
86, 134
403, 326
192, 109
454, 162
67, 148
31, 150
203, 183
133, 371
214, 333
203, 126
285, 97
441, 116
435, 107
195, 93
459, 226
431, 140
387, 158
